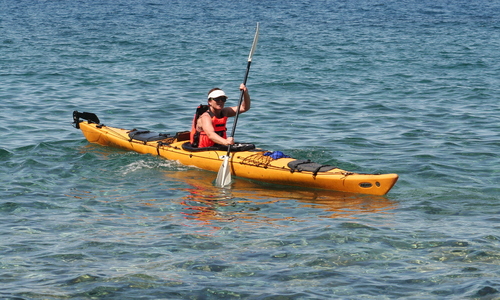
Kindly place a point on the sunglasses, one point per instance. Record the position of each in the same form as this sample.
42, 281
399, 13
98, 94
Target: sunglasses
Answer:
223, 99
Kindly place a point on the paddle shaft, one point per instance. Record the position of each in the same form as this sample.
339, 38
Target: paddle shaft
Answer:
254, 45
241, 101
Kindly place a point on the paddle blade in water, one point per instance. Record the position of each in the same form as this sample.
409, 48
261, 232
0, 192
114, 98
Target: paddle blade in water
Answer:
224, 176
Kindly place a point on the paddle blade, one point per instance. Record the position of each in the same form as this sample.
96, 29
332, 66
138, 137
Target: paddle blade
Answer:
224, 176
254, 44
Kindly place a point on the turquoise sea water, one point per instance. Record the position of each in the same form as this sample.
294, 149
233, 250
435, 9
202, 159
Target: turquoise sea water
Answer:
407, 87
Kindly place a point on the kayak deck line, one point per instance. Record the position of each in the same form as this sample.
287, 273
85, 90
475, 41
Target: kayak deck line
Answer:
246, 160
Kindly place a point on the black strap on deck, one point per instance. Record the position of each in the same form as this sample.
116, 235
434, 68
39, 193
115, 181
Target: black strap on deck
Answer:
308, 166
147, 136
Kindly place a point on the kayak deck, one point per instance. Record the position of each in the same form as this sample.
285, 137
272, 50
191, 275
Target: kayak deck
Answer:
246, 162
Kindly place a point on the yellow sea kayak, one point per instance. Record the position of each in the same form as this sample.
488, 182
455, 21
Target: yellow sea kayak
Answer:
246, 161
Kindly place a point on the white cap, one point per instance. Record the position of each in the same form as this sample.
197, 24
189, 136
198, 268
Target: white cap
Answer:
216, 94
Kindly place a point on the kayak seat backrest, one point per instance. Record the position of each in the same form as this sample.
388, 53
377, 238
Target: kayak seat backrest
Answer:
308, 166
234, 148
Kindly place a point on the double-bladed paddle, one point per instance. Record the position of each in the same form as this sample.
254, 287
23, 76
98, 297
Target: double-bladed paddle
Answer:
224, 176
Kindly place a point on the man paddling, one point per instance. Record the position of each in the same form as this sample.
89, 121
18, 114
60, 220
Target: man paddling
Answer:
209, 123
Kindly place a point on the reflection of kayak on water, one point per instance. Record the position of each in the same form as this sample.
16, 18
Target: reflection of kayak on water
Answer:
207, 203
246, 161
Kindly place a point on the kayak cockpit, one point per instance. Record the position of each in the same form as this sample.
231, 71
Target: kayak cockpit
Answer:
238, 147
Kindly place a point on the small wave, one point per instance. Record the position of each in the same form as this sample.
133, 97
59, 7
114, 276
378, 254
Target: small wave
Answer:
150, 164
5, 154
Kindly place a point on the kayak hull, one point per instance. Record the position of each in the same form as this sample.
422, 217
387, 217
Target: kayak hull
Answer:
251, 164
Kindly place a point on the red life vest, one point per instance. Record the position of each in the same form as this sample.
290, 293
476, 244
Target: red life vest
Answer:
201, 139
